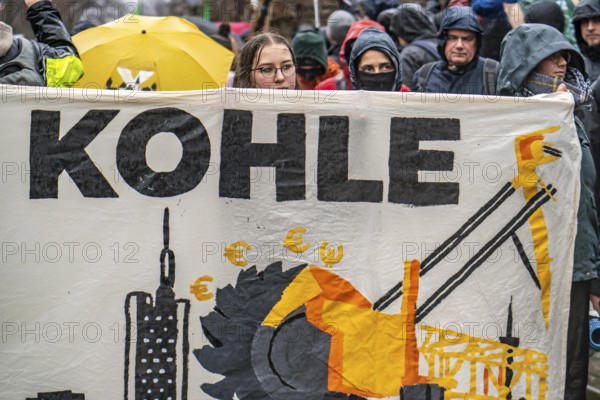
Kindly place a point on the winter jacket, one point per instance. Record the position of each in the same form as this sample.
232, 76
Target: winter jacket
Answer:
585, 10
591, 54
411, 23
522, 50
374, 39
53, 57
467, 79
342, 80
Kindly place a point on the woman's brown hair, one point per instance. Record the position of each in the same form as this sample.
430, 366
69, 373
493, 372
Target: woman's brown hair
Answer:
251, 52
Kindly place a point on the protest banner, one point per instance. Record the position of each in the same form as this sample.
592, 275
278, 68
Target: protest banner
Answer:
289, 245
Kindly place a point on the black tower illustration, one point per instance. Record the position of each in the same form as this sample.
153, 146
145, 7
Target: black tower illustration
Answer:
510, 340
156, 343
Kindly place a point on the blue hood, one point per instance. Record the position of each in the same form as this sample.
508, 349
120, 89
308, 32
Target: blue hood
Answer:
374, 39
459, 17
524, 48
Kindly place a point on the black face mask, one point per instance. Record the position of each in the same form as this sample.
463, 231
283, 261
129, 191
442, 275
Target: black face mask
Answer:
382, 82
310, 74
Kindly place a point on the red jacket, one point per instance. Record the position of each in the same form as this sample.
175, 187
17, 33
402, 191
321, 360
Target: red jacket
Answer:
342, 80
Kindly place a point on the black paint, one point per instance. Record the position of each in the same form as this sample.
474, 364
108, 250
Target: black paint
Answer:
131, 152
332, 175
49, 156
406, 160
525, 260
239, 154
479, 258
158, 355
62, 395
451, 243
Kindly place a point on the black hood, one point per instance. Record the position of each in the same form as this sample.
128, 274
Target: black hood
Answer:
546, 12
410, 22
459, 17
372, 8
374, 39
585, 10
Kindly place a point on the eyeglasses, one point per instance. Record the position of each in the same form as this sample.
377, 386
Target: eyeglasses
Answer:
270, 72
555, 58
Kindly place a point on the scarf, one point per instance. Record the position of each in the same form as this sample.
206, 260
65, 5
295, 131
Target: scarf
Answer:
576, 83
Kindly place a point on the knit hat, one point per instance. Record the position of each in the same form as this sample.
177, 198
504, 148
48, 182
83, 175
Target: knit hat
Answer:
6, 38
338, 24
309, 44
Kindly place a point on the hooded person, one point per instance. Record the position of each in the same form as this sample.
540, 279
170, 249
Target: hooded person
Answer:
567, 7
341, 81
375, 62
51, 60
537, 59
372, 8
416, 33
311, 55
546, 12
338, 24
586, 21
460, 70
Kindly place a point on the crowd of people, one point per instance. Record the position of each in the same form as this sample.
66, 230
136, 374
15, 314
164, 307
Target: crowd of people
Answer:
483, 47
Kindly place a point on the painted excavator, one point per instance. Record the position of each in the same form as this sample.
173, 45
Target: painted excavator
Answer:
306, 333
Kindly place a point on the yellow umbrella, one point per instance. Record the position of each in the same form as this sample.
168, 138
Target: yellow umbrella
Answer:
151, 53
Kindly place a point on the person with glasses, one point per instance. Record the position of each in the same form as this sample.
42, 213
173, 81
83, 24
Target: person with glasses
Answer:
266, 62
537, 59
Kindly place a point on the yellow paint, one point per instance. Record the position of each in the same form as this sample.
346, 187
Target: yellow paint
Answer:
235, 254
363, 341
529, 149
464, 351
200, 290
293, 240
329, 257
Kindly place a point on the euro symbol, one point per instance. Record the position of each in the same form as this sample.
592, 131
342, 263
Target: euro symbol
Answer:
329, 257
235, 254
293, 240
200, 290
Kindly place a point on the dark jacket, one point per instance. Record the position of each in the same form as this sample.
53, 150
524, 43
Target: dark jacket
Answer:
54, 57
467, 79
591, 55
374, 39
411, 23
522, 50
585, 10
372, 8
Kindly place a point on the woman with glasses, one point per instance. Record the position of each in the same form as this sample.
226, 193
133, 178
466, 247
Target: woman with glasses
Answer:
266, 62
537, 59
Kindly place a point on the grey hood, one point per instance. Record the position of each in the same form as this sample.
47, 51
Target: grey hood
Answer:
410, 22
524, 48
458, 17
587, 9
374, 39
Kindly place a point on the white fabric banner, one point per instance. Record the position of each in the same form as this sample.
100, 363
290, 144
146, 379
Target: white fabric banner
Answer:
287, 245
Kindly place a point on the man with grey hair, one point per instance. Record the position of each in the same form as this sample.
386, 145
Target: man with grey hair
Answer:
52, 60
